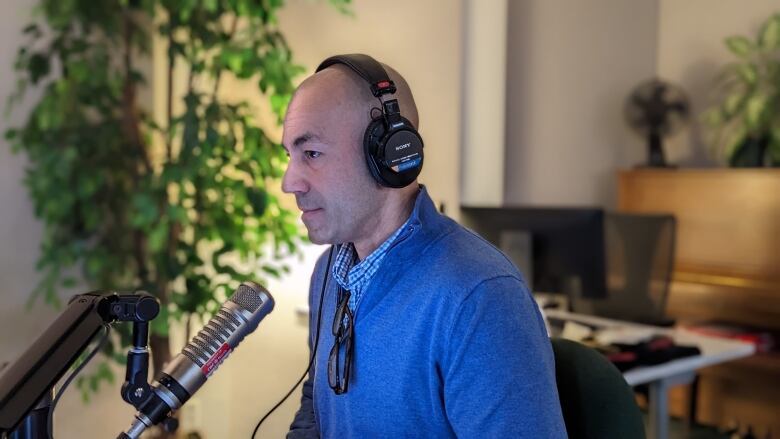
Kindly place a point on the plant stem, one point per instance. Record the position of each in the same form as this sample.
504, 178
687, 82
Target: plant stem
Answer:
169, 91
130, 120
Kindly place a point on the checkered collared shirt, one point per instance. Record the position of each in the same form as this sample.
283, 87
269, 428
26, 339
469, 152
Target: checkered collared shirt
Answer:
356, 278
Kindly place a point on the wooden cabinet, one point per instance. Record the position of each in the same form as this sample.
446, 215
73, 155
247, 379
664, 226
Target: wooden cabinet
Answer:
727, 269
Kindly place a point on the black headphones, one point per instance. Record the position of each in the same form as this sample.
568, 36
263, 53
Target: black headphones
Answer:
392, 146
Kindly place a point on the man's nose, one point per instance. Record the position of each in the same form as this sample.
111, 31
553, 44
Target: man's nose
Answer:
293, 181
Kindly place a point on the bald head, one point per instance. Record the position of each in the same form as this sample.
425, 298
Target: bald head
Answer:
345, 86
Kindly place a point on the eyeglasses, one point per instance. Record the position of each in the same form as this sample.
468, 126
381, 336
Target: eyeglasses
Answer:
342, 331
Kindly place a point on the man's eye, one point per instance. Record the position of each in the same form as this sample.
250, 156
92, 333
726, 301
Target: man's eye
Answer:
312, 154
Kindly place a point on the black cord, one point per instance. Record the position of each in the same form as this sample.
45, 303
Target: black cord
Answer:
314, 352
72, 375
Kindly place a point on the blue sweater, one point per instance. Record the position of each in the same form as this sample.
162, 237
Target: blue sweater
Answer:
448, 343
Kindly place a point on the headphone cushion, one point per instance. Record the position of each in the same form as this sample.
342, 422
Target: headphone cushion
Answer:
379, 144
371, 139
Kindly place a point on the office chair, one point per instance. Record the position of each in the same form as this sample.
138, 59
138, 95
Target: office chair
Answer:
596, 401
640, 261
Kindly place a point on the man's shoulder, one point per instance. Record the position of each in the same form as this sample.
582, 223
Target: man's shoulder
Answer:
461, 255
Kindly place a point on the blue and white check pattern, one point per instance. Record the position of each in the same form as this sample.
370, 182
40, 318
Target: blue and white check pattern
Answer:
356, 279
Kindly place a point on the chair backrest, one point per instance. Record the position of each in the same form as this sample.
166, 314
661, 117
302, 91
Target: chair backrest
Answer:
640, 263
596, 401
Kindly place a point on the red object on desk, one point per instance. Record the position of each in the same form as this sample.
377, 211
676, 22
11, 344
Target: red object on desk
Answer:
762, 340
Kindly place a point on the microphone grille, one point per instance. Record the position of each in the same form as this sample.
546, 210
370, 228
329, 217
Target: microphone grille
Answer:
211, 337
249, 296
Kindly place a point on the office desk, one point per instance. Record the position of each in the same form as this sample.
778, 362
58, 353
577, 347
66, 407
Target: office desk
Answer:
661, 377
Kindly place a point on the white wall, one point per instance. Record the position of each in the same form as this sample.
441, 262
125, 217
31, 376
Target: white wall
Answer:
570, 67
484, 95
691, 52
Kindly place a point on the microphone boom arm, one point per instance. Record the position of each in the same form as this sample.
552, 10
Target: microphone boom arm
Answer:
28, 380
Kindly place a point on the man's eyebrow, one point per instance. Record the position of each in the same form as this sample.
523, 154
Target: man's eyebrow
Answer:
302, 139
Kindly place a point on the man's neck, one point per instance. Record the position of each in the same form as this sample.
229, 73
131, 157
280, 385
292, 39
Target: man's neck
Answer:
392, 216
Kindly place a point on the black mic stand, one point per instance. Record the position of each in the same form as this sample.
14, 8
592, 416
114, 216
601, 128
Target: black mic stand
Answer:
35, 424
136, 388
27, 386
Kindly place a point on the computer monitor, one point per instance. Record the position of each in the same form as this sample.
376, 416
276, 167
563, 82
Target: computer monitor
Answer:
563, 249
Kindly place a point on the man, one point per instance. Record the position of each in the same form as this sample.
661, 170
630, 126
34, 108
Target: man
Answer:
435, 333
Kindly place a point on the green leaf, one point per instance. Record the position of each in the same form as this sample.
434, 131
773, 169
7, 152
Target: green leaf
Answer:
160, 325
712, 117
733, 104
119, 358
233, 60
740, 46
279, 103
146, 202
210, 5
258, 198
158, 237
95, 265
87, 185
81, 384
769, 36
755, 109
32, 29
748, 73
271, 270
104, 373
734, 140
38, 67
343, 6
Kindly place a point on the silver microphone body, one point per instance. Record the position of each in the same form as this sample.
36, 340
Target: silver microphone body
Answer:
189, 370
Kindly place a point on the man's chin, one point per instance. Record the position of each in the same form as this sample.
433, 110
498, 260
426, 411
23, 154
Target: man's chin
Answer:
317, 238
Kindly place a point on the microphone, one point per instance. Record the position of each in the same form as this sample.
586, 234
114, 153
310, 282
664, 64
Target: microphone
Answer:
188, 371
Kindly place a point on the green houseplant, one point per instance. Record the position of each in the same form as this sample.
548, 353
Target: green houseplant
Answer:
168, 205
745, 123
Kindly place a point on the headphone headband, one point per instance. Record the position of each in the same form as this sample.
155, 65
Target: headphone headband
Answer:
367, 68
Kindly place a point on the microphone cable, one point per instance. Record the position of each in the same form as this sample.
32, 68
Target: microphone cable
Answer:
314, 352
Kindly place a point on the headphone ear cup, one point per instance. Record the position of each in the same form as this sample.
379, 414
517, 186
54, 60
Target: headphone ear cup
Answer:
371, 147
378, 143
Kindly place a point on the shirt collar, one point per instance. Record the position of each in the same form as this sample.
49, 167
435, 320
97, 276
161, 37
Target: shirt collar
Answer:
348, 275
